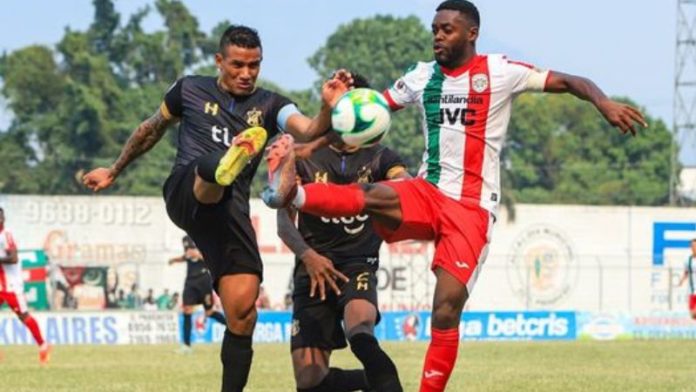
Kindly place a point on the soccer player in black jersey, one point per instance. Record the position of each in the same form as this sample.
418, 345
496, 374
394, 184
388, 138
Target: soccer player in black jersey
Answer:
343, 254
198, 289
224, 122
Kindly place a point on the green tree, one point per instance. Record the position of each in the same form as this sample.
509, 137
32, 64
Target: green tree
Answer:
561, 150
381, 48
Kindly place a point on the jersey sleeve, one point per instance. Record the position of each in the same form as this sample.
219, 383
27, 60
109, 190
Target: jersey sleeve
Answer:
407, 89
283, 108
172, 105
524, 77
389, 164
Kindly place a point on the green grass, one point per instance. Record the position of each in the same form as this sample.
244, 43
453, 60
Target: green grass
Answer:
519, 366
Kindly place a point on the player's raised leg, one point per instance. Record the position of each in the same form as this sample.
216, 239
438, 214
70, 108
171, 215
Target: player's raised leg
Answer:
218, 170
328, 200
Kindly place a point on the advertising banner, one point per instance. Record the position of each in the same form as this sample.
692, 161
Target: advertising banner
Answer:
93, 328
656, 325
276, 327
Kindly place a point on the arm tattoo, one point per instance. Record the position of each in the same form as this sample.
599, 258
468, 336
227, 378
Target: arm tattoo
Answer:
291, 236
148, 133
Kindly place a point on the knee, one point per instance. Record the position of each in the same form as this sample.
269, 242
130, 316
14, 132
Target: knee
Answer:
242, 320
23, 316
446, 313
364, 327
309, 375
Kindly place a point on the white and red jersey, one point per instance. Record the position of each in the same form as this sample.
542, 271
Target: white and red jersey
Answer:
10, 274
466, 112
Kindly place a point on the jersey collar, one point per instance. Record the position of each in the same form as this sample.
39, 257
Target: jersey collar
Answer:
456, 72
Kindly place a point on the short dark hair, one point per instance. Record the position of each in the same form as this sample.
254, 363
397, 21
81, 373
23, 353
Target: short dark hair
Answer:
1, 210
359, 81
465, 7
242, 36
188, 242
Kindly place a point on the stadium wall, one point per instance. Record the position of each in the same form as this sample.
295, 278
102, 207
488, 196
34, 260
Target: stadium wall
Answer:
585, 258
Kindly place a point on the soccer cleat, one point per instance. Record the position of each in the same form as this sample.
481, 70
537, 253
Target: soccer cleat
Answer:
184, 350
244, 148
44, 354
282, 185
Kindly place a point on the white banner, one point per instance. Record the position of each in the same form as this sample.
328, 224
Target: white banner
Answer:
105, 327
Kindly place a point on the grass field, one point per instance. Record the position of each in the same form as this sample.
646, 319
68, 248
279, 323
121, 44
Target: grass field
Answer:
517, 366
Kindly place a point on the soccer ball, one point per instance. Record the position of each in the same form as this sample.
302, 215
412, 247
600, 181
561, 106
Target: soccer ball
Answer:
362, 117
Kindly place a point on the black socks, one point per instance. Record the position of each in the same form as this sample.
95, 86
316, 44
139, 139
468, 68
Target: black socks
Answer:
187, 329
236, 357
380, 370
217, 316
339, 380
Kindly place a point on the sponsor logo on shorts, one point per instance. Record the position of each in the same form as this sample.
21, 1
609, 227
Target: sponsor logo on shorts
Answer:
295, 329
462, 265
542, 269
363, 281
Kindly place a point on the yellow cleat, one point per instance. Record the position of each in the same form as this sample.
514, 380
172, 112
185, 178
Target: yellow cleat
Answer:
244, 148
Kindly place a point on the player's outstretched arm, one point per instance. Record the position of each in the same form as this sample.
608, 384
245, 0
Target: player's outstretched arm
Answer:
619, 115
11, 257
319, 268
143, 138
305, 129
174, 260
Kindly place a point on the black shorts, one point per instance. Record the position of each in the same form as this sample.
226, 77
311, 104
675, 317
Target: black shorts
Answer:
317, 323
222, 231
199, 291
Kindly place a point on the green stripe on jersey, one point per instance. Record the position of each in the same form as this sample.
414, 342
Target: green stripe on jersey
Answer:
431, 104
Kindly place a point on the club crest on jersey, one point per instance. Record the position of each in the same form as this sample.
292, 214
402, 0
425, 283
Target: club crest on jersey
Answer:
479, 82
364, 175
253, 117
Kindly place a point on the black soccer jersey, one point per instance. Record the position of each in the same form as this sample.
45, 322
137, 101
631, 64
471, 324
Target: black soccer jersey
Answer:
210, 117
348, 237
195, 268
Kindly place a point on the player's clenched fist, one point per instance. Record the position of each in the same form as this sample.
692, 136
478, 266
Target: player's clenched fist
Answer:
98, 179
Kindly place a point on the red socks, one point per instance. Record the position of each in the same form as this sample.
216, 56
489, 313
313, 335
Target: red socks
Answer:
440, 359
30, 322
333, 201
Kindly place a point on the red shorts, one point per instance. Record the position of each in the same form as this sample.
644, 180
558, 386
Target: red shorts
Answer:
692, 302
460, 229
15, 301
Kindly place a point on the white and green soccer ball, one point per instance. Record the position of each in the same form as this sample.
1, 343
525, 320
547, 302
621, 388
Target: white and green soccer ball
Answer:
362, 117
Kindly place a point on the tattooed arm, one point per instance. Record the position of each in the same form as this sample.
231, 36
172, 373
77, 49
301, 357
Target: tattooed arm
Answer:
148, 133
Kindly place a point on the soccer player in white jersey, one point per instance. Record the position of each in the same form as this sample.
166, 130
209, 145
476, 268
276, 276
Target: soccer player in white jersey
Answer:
465, 99
12, 287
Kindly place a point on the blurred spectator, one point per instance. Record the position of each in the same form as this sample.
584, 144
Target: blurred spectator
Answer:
121, 300
163, 300
174, 302
262, 302
287, 301
134, 300
149, 301
111, 288
69, 300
